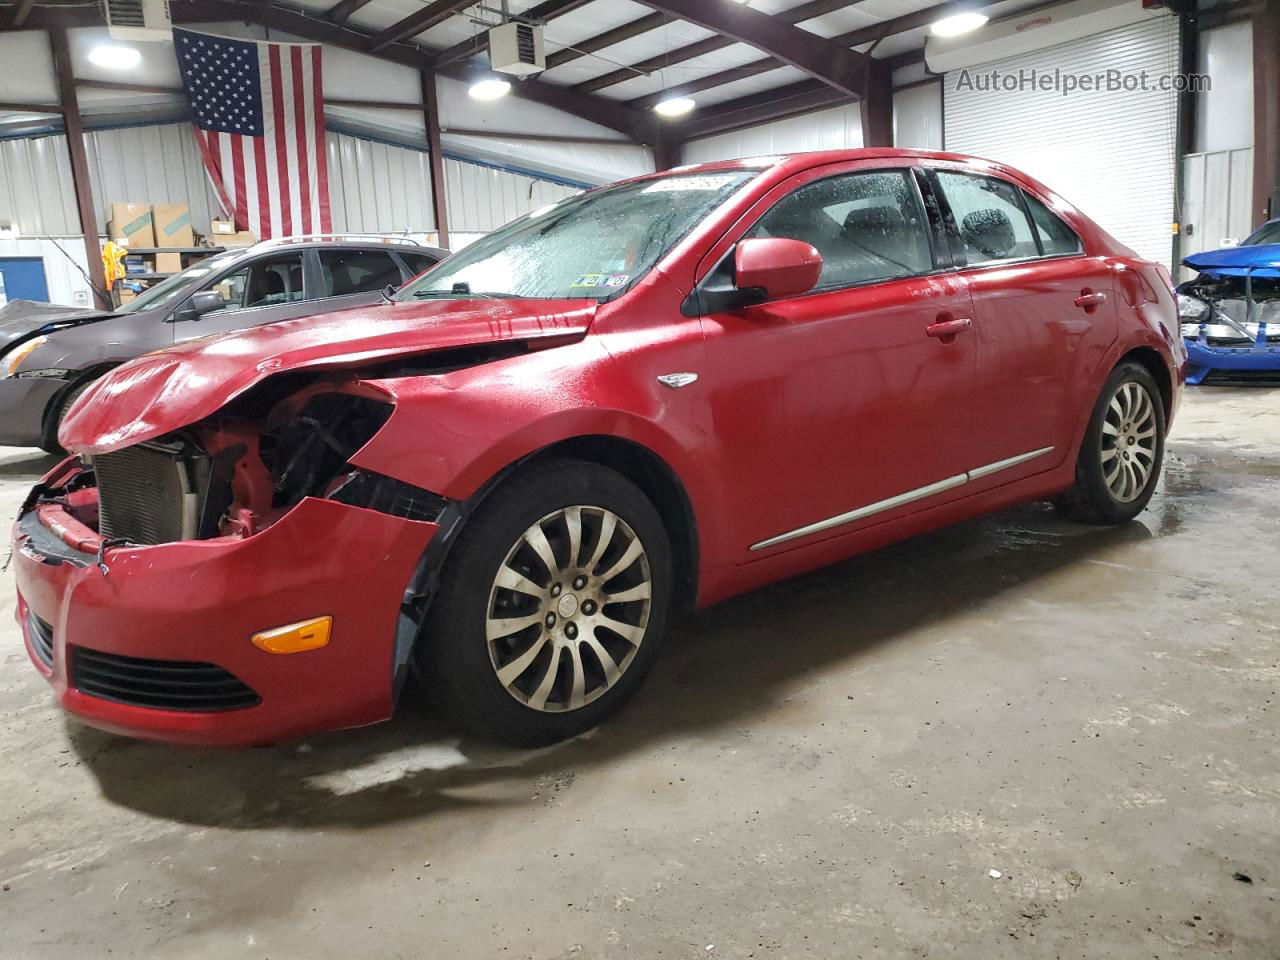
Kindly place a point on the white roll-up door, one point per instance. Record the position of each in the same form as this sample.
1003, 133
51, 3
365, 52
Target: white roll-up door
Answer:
1111, 152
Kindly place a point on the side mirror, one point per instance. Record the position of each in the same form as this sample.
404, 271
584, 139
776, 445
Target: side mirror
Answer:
206, 301
776, 266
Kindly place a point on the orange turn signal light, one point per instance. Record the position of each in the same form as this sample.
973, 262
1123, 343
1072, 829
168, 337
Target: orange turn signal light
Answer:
295, 637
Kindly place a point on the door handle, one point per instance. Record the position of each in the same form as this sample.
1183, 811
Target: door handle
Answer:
1088, 301
946, 330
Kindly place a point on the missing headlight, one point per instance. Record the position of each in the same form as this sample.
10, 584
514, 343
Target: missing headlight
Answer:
309, 451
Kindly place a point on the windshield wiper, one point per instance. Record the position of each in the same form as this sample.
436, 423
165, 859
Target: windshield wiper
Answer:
462, 295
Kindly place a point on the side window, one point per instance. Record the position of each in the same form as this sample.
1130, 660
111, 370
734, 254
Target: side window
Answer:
990, 218
263, 283
418, 262
357, 271
1055, 236
867, 226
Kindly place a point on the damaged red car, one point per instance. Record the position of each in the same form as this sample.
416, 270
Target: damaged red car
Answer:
638, 400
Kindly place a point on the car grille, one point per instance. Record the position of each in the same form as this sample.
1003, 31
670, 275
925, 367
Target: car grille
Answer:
41, 636
158, 684
145, 495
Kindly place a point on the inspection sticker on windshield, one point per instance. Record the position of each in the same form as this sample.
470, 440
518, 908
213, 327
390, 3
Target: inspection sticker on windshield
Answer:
679, 184
602, 280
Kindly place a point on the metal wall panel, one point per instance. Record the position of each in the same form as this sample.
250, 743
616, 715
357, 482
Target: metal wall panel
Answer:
378, 188
35, 186
373, 187
1218, 203
484, 198
159, 163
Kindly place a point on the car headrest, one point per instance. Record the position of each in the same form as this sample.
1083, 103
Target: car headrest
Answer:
991, 231
872, 220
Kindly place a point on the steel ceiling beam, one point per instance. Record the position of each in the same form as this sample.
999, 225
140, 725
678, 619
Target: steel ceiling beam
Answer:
20, 15
341, 12
806, 11
547, 10
423, 20
851, 38
825, 60
583, 48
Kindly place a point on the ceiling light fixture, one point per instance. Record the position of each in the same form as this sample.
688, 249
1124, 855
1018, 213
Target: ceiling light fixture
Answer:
489, 89
958, 24
114, 56
674, 106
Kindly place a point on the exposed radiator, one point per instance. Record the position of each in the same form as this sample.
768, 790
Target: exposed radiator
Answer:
145, 495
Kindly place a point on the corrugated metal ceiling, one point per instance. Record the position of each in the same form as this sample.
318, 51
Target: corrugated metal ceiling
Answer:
599, 16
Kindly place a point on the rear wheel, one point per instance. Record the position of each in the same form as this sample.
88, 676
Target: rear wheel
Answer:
551, 607
49, 441
1123, 450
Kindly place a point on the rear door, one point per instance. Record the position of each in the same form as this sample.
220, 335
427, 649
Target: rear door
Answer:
837, 409
1043, 319
351, 277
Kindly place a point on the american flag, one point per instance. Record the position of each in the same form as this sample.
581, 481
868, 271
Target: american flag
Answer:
259, 117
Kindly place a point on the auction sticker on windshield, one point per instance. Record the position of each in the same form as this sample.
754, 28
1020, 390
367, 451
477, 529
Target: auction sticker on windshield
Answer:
681, 184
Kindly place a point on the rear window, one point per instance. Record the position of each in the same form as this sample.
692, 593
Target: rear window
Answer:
357, 271
1055, 236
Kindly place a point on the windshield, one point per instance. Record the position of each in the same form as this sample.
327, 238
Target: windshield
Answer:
590, 246
1267, 233
171, 288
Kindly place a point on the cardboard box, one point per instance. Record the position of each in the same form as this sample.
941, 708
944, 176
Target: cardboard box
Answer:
173, 225
131, 225
168, 263
221, 228
243, 238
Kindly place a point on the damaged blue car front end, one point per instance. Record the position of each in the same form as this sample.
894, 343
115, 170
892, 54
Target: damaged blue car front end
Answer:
1230, 313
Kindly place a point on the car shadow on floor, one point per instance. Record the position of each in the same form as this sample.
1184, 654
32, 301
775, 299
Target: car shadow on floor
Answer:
721, 667
28, 464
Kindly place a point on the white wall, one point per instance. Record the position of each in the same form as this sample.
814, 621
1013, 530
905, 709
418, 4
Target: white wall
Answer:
1224, 118
836, 128
917, 117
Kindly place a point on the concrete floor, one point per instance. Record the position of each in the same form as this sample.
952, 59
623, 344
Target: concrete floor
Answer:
829, 768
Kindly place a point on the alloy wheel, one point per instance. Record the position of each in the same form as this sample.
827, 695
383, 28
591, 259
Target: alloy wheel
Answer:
1129, 442
568, 608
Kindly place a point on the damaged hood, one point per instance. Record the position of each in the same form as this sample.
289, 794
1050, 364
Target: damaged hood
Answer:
20, 319
161, 392
1262, 260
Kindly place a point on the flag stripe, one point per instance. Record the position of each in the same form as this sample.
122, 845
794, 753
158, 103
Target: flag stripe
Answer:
237, 166
281, 143
300, 147
321, 144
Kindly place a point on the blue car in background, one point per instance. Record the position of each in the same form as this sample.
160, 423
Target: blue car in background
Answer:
1231, 311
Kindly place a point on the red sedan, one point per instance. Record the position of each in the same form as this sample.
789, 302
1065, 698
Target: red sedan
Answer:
645, 398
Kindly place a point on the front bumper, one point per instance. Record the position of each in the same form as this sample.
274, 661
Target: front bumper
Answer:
201, 601
23, 402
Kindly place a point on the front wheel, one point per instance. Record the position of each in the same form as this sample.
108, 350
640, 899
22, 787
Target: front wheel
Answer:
1123, 450
49, 440
551, 605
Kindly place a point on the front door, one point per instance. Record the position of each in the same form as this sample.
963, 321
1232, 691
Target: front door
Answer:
266, 289
849, 405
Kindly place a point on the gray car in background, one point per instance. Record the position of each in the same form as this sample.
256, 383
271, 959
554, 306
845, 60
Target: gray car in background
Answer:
50, 354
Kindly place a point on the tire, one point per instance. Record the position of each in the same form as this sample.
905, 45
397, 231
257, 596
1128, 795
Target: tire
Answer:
49, 441
1128, 421
554, 683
